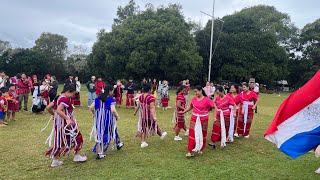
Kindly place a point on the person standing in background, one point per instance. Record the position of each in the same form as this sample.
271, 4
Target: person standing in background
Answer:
3, 79
188, 91
256, 90
23, 91
77, 101
209, 90
100, 85
44, 91
130, 87
53, 84
35, 86
159, 94
118, 90
91, 90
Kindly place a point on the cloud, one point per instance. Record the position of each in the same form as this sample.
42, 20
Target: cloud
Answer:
22, 22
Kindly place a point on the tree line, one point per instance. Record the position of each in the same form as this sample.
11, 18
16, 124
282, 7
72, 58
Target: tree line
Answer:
158, 42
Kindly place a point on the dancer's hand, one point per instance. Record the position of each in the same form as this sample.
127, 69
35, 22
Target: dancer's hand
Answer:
242, 111
134, 113
181, 112
69, 122
254, 107
118, 118
234, 114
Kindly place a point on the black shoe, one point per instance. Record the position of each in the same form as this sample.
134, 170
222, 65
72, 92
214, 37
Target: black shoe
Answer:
25, 110
212, 144
120, 145
100, 156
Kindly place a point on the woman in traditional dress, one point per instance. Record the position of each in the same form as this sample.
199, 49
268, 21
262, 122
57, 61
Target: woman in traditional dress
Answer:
147, 124
65, 132
179, 118
76, 100
35, 86
13, 104
200, 106
118, 90
234, 89
105, 123
249, 102
220, 128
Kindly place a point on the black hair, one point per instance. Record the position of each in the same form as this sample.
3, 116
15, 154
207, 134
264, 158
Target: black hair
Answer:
11, 85
181, 88
236, 86
3, 90
103, 96
245, 84
138, 90
199, 88
146, 88
69, 88
18, 76
39, 94
220, 89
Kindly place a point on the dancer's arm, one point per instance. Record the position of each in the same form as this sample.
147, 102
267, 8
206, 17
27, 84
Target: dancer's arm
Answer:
179, 105
60, 112
186, 110
137, 108
92, 108
153, 111
215, 112
114, 111
50, 108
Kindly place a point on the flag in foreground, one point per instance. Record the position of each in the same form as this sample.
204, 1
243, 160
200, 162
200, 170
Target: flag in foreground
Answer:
296, 127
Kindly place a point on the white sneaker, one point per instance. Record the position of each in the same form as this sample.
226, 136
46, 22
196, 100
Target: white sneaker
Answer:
164, 134
144, 144
317, 171
177, 138
246, 136
56, 163
186, 133
79, 158
236, 135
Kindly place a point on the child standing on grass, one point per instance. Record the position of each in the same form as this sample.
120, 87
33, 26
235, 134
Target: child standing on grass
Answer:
147, 124
136, 98
13, 103
65, 132
105, 123
179, 118
3, 106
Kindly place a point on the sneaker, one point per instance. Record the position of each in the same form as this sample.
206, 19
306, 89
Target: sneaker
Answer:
186, 133
144, 144
79, 158
164, 134
2, 125
120, 145
177, 138
246, 136
5, 123
56, 163
100, 156
317, 171
236, 135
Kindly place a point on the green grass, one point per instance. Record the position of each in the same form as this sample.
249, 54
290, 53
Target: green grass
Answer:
22, 151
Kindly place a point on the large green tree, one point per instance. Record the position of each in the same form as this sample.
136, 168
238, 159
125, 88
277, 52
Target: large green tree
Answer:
54, 47
254, 42
152, 43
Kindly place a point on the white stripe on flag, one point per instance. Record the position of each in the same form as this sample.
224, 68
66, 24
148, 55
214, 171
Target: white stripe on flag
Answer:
305, 120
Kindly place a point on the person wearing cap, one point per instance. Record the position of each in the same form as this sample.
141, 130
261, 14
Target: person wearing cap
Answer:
91, 90
130, 87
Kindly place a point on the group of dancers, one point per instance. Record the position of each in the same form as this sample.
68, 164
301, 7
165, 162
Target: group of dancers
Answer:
233, 114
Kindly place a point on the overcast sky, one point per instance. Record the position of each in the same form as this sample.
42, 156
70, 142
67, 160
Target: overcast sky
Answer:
22, 21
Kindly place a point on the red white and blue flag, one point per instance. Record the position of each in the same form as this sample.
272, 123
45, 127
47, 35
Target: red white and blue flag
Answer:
296, 127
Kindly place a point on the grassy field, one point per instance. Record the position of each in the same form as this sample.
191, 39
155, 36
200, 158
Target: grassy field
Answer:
22, 152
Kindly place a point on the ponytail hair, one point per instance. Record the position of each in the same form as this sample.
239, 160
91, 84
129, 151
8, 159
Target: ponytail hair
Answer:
181, 88
199, 88
104, 96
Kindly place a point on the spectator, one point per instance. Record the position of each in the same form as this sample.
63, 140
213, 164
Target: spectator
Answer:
23, 91
100, 86
3, 79
209, 90
39, 104
70, 81
53, 88
91, 90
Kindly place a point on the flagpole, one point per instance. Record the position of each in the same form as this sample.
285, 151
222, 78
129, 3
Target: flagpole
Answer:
211, 43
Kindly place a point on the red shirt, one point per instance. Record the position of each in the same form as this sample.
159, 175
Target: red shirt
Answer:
67, 104
99, 86
236, 99
4, 102
145, 102
182, 99
201, 107
23, 86
223, 104
251, 97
